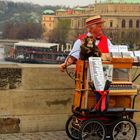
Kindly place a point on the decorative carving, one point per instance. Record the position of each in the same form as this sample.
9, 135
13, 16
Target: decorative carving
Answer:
9, 125
10, 78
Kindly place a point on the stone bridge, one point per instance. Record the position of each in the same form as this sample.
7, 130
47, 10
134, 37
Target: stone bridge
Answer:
37, 97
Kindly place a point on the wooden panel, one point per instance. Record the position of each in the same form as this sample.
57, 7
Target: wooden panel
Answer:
79, 74
118, 92
77, 97
120, 62
114, 101
117, 101
123, 92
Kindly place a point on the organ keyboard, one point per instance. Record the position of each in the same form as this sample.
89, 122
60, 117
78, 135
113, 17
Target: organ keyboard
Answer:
123, 88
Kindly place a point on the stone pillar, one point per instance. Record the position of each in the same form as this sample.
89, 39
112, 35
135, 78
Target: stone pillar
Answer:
70, 47
57, 47
62, 48
67, 47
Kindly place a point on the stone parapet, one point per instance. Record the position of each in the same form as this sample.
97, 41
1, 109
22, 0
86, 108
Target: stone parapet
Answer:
43, 99
41, 102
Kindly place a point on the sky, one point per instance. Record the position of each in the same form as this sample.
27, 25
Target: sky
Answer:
70, 3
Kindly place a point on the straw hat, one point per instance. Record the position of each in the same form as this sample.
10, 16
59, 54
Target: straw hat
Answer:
94, 20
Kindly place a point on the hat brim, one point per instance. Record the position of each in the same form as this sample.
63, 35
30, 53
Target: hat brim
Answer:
97, 22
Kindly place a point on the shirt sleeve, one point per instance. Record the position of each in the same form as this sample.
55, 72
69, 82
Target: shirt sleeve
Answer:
75, 52
109, 44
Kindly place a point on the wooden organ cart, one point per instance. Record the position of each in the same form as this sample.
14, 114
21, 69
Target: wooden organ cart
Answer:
115, 123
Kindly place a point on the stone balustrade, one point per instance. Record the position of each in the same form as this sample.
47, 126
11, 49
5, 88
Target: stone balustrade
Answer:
37, 97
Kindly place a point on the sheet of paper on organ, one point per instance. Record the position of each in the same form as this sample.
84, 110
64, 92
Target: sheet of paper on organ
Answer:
96, 71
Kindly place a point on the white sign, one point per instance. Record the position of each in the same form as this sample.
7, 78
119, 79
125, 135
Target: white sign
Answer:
96, 71
118, 48
137, 53
113, 48
123, 48
108, 72
131, 54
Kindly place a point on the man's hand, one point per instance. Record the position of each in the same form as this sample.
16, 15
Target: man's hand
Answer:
105, 56
63, 67
69, 60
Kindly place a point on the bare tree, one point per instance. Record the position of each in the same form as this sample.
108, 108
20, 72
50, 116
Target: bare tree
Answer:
129, 37
22, 30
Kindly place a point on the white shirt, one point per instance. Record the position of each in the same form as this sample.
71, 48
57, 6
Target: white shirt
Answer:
75, 52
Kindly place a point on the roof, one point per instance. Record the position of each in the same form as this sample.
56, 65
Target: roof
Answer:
123, 1
61, 10
49, 12
79, 9
35, 44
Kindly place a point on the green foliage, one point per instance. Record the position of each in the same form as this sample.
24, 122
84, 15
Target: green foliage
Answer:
60, 33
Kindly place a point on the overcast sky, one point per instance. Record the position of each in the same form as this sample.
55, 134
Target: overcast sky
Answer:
59, 2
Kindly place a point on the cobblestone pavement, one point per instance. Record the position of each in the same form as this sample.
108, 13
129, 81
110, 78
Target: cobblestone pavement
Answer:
57, 135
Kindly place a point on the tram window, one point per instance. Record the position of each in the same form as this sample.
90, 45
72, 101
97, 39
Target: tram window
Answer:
39, 56
61, 58
32, 56
120, 74
43, 56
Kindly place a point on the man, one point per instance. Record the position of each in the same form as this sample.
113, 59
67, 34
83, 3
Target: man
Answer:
94, 27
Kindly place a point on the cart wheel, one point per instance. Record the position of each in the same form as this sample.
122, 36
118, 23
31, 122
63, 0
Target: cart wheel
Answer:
124, 129
92, 130
70, 130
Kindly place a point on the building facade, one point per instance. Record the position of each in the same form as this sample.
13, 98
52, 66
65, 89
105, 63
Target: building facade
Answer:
121, 16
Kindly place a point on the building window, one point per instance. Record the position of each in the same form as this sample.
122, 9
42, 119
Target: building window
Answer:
123, 23
130, 23
111, 23
72, 23
122, 34
137, 24
83, 23
137, 34
80, 23
111, 35
77, 23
